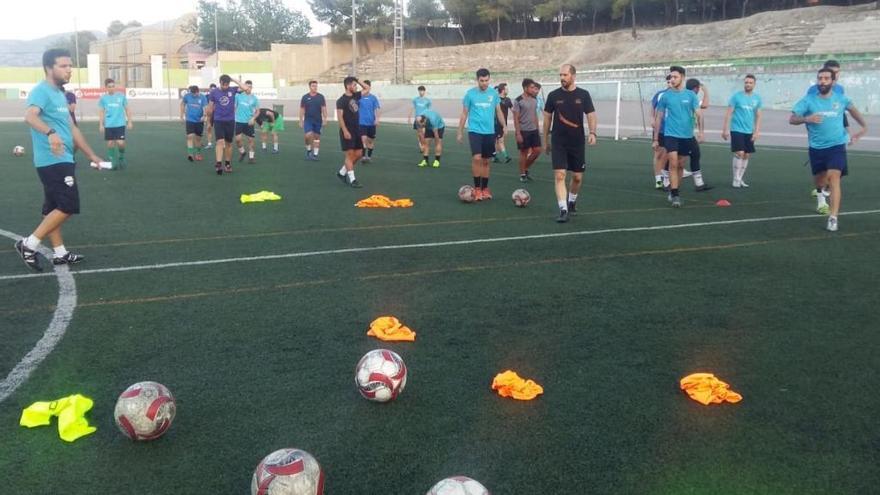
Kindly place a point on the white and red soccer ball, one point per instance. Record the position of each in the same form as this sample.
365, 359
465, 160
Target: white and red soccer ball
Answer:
380, 375
521, 198
145, 411
18, 151
458, 485
467, 194
288, 472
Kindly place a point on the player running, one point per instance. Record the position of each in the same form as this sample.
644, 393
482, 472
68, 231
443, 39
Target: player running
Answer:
221, 107
247, 106
525, 122
369, 114
192, 112
347, 114
312, 114
675, 114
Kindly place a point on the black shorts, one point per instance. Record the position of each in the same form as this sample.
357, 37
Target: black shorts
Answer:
661, 140
416, 123
569, 153
482, 144
197, 128
833, 158
741, 142
224, 129
429, 132
59, 188
682, 146
244, 128
114, 133
354, 143
531, 139
499, 131
369, 131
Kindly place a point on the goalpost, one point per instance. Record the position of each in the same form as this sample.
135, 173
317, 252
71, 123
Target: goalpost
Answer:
599, 91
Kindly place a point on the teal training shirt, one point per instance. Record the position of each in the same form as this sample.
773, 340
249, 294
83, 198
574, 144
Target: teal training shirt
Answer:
745, 108
114, 109
245, 106
830, 132
481, 109
420, 104
54, 112
679, 108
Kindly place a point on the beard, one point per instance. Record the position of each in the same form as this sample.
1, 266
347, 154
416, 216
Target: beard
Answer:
565, 84
824, 89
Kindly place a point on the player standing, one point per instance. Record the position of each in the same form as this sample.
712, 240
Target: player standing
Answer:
347, 113
481, 109
501, 131
209, 122
114, 116
566, 107
661, 172
675, 114
525, 122
369, 114
744, 108
221, 107
312, 114
192, 111
247, 106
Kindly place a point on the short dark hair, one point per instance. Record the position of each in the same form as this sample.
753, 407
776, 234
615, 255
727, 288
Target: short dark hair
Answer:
225, 79
677, 68
831, 64
109, 81
501, 87
668, 76
312, 82
484, 72
367, 82
692, 84
751, 76
348, 80
212, 86
828, 70
421, 88
193, 89
527, 82
536, 83
249, 82
51, 55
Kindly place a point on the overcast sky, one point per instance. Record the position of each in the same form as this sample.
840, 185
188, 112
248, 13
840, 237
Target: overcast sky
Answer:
35, 19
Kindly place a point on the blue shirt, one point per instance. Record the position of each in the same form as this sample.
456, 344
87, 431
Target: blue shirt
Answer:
679, 108
313, 106
435, 121
114, 109
654, 101
245, 106
481, 107
368, 103
195, 106
53, 111
830, 132
420, 104
836, 88
745, 109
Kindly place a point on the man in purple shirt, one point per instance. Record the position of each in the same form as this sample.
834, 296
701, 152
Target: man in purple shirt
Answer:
221, 107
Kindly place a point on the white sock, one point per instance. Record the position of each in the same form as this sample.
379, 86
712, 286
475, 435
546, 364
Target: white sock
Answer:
658, 178
343, 170
572, 197
32, 242
241, 149
250, 154
698, 178
264, 145
351, 175
744, 163
275, 146
734, 168
309, 148
60, 251
315, 151
562, 205
820, 200
664, 174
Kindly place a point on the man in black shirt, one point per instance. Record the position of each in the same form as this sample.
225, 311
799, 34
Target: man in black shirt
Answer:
506, 105
566, 107
267, 121
348, 116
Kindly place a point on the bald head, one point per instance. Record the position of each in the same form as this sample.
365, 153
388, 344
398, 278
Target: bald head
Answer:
566, 76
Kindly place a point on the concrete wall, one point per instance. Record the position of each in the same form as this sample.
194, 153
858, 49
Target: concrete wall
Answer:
302, 62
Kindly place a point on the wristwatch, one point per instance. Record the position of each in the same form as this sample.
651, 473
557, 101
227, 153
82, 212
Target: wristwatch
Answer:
50, 132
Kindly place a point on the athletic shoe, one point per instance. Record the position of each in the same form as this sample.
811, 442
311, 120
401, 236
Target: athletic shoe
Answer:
355, 184
219, 169
313, 157
523, 178
495, 159
742, 183
241, 155
199, 158
813, 193
736, 184
366, 159
68, 259
704, 187
658, 184
227, 168
308, 154
264, 150
669, 197
274, 152
507, 159
563, 216
190, 158
342, 177
209, 146
823, 209
832, 224
252, 160
487, 194
676, 202
423, 163
686, 173
572, 210
478, 194
436, 164
28, 256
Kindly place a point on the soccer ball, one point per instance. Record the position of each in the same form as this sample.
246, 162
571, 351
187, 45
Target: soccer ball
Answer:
458, 485
288, 472
466, 194
521, 198
380, 375
145, 411
18, 151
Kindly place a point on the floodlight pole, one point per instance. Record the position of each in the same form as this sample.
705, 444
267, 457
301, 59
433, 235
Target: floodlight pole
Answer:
354, 57
216, 42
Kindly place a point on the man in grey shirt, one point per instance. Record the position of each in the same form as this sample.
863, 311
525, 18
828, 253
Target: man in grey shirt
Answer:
525, 120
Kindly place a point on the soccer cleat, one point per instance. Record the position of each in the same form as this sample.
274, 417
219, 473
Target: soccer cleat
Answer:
355, 184
313, 157
823, 209
736, 184
813, 193
658, 184
495, 159
308, 154
487, 194
209, 146
366, 159
478, 194
676, 202
669, 197
507, 159
219, 169
241, 155
563, 216
423, 163
252, 160
742, 183
704, 187
572, 209
832, 224
342, 177
274, 152
436, 164
523, 178
68, 259
190, 158
227, 168
28, 256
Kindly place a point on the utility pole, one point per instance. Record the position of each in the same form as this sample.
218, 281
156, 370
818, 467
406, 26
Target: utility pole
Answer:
354, 56
399, 73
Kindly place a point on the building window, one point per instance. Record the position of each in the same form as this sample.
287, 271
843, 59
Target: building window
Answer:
115, 73
135, 74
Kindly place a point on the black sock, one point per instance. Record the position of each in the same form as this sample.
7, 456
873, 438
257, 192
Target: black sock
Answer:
227, 163
425, 157
674, 192
437, 158
218, 164
477, 182
819, 190
369, 152
484, 182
